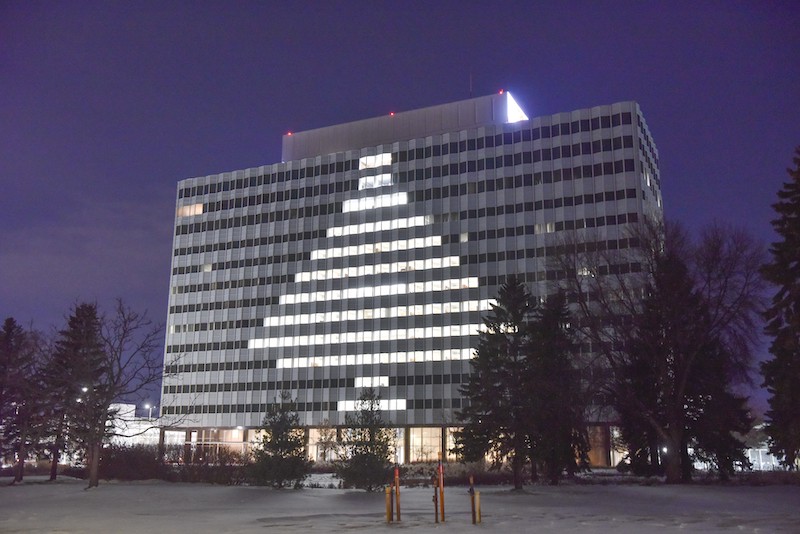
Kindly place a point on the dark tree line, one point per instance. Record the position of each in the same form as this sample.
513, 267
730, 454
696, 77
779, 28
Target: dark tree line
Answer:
782, 372
57, 394
674, 322
667, 327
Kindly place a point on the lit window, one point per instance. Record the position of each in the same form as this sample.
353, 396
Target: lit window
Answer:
381, 201
192, 209
371, 162
372, 182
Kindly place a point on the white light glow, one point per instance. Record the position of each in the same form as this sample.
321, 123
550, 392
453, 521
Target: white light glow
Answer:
381, 268
384, 404
192, 209
377, 248
368, 203
380, 291
381, 313
373, 359
515, 113
372, 381
379, 226
367, 336
372, 162
372, 182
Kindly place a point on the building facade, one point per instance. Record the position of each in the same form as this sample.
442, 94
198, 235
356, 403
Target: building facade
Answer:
368, 256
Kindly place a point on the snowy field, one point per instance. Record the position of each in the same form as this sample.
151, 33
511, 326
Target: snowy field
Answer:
155, 506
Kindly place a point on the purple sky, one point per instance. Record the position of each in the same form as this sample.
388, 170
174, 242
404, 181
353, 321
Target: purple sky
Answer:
104, 106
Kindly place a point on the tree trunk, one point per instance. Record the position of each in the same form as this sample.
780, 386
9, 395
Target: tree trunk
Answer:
672, 460
94, 464
686, 463
19, 471
22, 454
55, 450
516, 468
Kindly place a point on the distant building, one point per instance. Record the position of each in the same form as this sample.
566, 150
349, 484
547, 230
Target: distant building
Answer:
369, 255
127, 429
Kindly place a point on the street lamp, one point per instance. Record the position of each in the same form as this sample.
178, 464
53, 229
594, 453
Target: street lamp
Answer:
149, 410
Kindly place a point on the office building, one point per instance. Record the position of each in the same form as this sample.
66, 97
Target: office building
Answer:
369, 255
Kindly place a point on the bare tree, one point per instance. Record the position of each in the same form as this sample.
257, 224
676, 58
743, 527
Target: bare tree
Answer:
676, 302
99, 361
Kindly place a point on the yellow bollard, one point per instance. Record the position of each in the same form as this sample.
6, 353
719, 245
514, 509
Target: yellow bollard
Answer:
478, 506
388, 504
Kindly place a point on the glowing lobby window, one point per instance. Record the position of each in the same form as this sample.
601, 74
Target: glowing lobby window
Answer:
369, 203
371, 162
515, 113
426, 444
371, 182
191, 209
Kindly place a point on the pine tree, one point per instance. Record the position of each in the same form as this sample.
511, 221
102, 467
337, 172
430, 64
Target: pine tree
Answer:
21, 408
498, 418
559, 439
367, 445
782, 372
281, 460
78, 387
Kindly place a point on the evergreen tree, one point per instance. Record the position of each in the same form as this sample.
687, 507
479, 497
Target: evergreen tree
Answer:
782, 372
21, 408
559, 439
281, 458
367, 446
718, 417
78, 385
498, 418
525, 396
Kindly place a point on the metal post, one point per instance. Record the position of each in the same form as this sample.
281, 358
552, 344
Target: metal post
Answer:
436, 498
441, 490
472, 497
397, 490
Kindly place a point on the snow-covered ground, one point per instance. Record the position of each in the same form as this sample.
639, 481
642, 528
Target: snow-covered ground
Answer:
155, 506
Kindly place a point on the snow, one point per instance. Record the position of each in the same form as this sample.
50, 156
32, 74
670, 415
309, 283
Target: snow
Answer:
156, 506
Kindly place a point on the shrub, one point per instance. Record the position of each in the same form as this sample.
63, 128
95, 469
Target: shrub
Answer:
136, 462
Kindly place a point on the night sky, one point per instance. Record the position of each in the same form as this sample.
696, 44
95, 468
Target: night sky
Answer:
105, 106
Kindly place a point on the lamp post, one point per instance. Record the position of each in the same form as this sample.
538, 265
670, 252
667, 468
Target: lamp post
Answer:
149, 411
